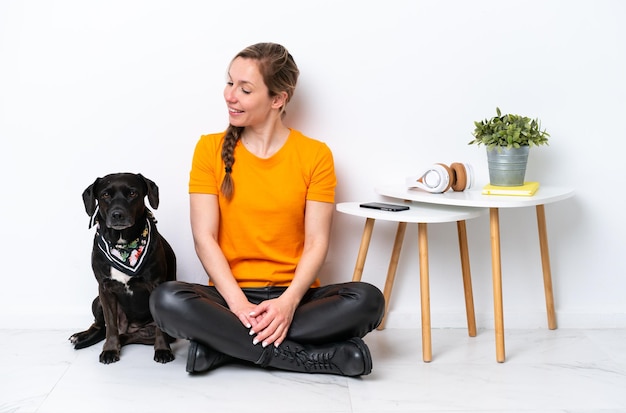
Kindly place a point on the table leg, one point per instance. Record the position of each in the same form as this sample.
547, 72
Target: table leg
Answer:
365, 244
427, 352
467, 279
496, 267
545, 263
393, 266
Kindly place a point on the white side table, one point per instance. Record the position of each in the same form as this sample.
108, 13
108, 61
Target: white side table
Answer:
422, 215
474, 198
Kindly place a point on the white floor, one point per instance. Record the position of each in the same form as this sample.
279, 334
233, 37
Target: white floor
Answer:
546, 371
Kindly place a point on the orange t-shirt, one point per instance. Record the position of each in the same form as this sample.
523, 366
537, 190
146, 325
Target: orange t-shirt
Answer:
262, 227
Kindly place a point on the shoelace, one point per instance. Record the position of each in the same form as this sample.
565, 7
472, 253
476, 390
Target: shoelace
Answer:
314, 361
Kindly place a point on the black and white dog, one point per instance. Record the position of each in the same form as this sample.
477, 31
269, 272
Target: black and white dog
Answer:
129, 259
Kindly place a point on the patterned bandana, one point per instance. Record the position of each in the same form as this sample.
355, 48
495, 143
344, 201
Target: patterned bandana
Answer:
127, 257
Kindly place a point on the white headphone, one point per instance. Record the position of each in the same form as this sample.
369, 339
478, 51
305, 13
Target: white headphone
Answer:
438, 178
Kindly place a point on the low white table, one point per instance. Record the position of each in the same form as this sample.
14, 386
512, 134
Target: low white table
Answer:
422, 215
474, 198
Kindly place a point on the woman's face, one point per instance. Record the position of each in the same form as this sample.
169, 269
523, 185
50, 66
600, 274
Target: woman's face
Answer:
246, 95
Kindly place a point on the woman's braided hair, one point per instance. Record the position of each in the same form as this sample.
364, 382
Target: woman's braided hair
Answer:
280, 74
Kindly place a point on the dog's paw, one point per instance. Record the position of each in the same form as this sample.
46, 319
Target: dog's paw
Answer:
109, 356
87, 338
163, 356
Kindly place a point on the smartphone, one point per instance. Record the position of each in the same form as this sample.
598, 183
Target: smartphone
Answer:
384, 206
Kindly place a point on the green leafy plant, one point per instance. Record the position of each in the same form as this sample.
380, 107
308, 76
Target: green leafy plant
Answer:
508, 131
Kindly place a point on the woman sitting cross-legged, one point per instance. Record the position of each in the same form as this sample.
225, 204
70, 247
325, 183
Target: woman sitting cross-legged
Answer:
262, 200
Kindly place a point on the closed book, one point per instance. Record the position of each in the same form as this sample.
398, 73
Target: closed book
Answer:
528, 189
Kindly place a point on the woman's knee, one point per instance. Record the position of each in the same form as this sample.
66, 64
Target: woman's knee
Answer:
365, 300
366, 293
371, 298
368, 306
166, 298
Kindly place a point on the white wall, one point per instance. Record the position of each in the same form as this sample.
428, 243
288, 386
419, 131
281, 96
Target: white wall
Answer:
92, 88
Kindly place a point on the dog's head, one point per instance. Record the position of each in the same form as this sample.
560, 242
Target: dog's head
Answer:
119, 199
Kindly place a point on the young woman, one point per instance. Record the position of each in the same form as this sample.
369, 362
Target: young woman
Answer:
262, 200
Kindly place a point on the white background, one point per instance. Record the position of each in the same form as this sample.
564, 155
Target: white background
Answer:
92, 88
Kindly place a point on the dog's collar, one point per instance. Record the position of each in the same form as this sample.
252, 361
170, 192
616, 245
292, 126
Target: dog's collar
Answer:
128, 257
93, 220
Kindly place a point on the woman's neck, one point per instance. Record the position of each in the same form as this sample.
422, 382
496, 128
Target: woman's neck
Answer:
265, 141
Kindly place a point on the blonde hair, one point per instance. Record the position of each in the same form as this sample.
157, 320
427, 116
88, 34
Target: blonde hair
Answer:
280, 74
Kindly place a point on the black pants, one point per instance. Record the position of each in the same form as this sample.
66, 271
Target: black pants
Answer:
327, 314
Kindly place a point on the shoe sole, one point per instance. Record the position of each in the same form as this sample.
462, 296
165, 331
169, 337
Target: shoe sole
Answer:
191, 356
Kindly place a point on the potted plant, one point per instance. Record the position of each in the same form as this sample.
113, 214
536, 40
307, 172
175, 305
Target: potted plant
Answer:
508, 139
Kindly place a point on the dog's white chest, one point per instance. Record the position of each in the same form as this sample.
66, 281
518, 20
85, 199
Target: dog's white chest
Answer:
119, 276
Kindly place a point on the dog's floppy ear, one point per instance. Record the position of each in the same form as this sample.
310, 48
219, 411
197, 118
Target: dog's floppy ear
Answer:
89, 198
153, 192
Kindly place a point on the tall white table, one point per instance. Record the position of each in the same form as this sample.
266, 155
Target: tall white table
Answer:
474, 198
422, 215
